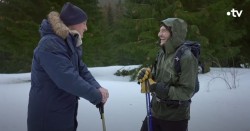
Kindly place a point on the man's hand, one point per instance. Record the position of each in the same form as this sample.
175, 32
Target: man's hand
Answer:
143, 74
100, 105
105, 94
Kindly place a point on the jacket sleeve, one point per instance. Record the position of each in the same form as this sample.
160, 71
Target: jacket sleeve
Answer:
86, 75
183, 89
55, 61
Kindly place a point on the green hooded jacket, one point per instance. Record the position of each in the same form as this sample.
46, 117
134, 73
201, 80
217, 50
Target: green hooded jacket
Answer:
181, 87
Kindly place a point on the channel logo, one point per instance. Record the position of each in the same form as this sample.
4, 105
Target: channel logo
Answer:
234, 13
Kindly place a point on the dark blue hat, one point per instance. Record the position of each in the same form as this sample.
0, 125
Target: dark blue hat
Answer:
72, 15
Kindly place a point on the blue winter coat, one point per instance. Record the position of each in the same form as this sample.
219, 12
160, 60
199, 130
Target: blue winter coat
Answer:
58, 79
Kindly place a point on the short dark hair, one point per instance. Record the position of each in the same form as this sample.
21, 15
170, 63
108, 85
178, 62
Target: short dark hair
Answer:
167, 27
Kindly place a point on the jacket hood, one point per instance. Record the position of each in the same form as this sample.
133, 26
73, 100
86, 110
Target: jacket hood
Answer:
178, 33
54, 25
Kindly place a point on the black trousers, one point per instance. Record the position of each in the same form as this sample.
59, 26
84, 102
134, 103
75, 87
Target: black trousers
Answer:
163, 125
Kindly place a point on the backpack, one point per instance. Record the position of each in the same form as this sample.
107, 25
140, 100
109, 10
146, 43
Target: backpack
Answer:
194, 47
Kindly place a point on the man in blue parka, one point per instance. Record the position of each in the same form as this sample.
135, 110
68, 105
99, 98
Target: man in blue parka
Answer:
58, 75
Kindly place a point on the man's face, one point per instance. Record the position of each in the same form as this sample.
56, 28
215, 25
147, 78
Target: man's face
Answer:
81, 28
164, 35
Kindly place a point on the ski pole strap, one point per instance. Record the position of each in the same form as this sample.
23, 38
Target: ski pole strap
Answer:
173, 102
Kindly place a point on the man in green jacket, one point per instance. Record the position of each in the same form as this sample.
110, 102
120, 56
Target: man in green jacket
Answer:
171, 92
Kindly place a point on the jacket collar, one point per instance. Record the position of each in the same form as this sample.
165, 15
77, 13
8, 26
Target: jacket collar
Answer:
57, 25
61, 29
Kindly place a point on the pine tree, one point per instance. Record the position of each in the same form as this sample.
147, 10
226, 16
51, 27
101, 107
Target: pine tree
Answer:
140, 25
220, 31
19, 27
94, 47
18, 36
243, 23
135, 32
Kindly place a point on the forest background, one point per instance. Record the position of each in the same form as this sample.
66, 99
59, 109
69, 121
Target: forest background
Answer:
124, 32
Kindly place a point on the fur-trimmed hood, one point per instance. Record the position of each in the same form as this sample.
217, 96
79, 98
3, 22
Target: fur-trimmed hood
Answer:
57, 24
54, 25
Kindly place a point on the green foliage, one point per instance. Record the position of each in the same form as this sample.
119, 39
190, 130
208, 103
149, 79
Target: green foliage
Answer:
134, 34
220, 30
123, 72
17, 45
243, 23
94, 39
19, 29
126, 34
137, 55
19, 33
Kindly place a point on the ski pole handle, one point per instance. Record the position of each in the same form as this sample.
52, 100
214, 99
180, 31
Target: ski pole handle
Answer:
100, 106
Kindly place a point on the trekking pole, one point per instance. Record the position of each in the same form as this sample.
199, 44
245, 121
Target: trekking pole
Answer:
148, 104
101, 110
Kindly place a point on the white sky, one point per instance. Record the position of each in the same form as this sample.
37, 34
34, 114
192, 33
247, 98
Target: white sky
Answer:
214, 107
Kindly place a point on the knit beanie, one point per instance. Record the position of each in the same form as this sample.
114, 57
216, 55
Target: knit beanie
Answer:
72, 15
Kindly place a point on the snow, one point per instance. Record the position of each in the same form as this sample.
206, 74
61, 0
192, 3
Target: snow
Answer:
214, 108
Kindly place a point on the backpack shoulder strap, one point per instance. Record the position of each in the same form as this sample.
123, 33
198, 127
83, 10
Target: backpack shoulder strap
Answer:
179, 52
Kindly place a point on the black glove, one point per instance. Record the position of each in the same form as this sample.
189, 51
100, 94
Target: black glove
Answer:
161, 89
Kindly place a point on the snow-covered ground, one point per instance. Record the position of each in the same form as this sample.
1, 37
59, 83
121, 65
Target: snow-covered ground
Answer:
214, 107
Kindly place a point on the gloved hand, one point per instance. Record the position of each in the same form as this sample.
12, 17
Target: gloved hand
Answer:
161, 89
143, 74
145, 78
145, 85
